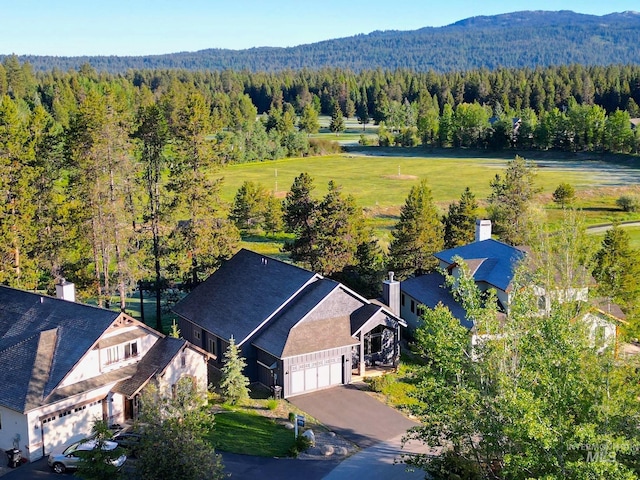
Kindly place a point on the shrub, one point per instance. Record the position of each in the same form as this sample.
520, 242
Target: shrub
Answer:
302, 444
628, 203
272, 403
379, 384
292, 417
322, 146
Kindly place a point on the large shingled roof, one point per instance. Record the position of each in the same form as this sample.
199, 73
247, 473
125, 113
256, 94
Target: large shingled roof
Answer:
244, 292
490, 261
430, 290
41, 339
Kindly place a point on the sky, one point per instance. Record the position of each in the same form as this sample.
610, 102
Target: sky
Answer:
148, 27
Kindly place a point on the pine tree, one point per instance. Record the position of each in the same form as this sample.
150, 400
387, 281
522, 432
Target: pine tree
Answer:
459, 223
309, 120
337, 120
234, 384
510, 201
417, 235
617, 269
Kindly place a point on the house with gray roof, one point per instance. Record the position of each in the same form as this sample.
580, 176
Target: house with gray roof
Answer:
492, 264
297, 330
63, 364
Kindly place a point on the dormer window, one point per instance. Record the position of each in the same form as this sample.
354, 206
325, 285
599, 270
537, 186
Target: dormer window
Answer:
118, 353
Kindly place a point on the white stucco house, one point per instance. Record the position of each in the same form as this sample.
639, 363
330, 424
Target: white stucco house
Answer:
63, 364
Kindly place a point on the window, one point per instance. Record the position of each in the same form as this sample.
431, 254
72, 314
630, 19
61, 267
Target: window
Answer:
196, 334
183, 360
402, 299
213, 346
113, 355
413, 306
131, 350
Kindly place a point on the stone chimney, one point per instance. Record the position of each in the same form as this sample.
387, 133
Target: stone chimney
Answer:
483, 230
391, 294
65, 290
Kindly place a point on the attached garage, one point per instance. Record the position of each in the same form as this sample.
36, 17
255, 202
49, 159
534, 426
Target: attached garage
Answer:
71, 424
316, 371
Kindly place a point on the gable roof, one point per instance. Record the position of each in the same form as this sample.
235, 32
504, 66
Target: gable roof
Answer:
236, 300
41, 340
490, 261
155, 361
430, 290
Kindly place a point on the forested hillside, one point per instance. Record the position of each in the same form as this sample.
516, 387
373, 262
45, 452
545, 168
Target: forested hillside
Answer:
111, 178
522, 39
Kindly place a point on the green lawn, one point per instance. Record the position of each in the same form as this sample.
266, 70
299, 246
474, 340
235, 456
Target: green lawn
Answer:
381, 183
247, 432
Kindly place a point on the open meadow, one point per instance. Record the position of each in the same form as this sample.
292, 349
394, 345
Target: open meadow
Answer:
380, 180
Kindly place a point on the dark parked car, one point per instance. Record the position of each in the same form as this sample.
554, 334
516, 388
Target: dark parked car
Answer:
130, 441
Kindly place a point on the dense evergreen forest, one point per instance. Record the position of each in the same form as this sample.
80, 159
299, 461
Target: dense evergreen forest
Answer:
112, 178
514, 40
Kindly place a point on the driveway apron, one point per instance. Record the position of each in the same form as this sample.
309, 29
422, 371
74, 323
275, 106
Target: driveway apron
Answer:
354, 414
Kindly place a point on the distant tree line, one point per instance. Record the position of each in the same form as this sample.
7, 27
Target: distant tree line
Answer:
107, 179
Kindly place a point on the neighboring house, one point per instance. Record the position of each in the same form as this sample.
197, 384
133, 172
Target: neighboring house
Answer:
492, 264
296, 329
63, 364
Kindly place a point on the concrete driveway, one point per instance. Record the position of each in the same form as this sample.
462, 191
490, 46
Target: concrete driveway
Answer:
354, 414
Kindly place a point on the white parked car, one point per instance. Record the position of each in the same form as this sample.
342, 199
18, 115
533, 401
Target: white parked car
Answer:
67, 458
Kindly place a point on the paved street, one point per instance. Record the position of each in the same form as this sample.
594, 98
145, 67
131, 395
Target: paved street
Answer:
354, 414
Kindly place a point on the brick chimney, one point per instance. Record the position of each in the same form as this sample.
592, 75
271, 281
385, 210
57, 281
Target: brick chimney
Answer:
65, 290
483, 230
391, 294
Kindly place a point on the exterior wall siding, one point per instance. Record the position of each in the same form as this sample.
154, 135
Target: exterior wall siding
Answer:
13, 428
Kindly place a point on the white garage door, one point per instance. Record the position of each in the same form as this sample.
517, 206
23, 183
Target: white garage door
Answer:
312, 376
70, 425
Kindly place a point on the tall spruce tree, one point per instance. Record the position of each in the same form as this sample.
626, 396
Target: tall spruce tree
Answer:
234, 384
460, 221
510, 201
417, 235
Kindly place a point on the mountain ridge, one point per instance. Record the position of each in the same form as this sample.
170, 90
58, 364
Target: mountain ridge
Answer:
511, 40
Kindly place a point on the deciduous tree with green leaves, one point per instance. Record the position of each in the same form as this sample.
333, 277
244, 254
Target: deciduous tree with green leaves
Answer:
97, 463
175, 424
532, 397
564, 194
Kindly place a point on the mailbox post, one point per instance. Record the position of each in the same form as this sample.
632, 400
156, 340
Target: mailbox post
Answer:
299, 422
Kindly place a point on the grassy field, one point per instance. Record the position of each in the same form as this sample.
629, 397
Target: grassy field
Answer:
381, 182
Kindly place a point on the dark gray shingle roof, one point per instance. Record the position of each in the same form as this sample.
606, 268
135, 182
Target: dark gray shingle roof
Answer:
155, 361
498, 261
429, 290
241, 294
274, 338
35, 328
